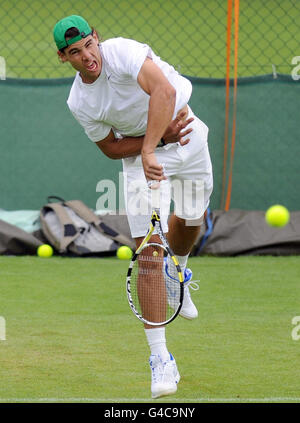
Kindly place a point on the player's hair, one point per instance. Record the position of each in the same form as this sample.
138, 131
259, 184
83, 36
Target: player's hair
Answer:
73, 32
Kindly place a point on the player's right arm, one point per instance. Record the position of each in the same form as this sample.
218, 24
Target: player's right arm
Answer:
120, 148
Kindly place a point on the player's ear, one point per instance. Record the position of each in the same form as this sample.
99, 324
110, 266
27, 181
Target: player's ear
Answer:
95, 36
62, 57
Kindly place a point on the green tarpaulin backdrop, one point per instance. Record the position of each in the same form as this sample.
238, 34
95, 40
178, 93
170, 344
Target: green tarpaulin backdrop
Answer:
45, 152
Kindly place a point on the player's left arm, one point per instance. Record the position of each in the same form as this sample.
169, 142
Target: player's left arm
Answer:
161, 108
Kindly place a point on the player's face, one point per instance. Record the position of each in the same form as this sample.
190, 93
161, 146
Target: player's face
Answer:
84, 56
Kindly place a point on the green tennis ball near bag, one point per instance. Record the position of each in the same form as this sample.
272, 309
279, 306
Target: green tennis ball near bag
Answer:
124, 252
45, 251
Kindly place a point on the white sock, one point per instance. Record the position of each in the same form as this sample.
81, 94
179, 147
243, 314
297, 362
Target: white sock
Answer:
157, 342
182, 260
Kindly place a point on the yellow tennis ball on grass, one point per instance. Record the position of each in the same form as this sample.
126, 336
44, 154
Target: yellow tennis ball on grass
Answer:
277, 216
124, 252
45, 251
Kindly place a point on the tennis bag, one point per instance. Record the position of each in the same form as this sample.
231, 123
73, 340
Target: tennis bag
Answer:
71, 227
245, 232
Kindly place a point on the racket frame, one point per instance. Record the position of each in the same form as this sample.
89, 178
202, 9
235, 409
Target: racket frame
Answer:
155, 224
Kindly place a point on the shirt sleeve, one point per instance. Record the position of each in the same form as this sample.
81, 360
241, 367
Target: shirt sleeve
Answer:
96, 131
128, 56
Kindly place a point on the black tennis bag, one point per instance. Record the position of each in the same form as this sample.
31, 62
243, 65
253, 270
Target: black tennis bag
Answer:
72, 227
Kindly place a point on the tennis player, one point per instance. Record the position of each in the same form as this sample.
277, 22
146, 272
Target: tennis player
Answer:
134, 107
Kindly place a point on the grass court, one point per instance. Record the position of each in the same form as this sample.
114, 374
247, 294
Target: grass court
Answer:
71, 336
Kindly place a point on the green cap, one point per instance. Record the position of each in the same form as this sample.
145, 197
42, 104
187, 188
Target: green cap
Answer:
64, 24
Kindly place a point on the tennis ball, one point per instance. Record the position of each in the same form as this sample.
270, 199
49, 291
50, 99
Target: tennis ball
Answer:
45, 250
277, 216
124, 252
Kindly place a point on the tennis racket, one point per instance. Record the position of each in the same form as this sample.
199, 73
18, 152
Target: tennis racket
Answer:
154, 279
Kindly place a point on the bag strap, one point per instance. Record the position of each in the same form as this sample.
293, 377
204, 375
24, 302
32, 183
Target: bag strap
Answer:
69, 230
89, 216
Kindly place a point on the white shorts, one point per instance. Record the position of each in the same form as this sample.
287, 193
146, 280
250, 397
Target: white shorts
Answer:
189, 182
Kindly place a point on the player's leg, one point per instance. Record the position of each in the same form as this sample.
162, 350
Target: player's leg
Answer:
194, 185
181, 236
164, 373
181, 239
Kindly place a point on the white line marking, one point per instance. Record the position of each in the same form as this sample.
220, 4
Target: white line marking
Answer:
106, 400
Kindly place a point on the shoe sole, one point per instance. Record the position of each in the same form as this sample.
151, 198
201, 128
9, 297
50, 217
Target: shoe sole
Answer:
167, 392
185, 316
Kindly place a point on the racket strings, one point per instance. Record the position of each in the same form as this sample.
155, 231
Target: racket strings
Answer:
172, 282
149, 290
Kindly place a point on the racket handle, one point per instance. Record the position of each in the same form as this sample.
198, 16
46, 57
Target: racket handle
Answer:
155, 193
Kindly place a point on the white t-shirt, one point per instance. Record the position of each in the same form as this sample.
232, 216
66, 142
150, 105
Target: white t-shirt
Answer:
115, 100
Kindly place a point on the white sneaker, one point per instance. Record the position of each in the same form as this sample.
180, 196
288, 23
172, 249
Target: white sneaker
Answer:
164, 376
188, 309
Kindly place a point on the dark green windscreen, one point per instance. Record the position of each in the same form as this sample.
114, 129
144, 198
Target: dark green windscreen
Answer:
45, 152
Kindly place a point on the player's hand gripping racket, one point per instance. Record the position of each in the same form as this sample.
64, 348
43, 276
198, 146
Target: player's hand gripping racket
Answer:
154, 278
